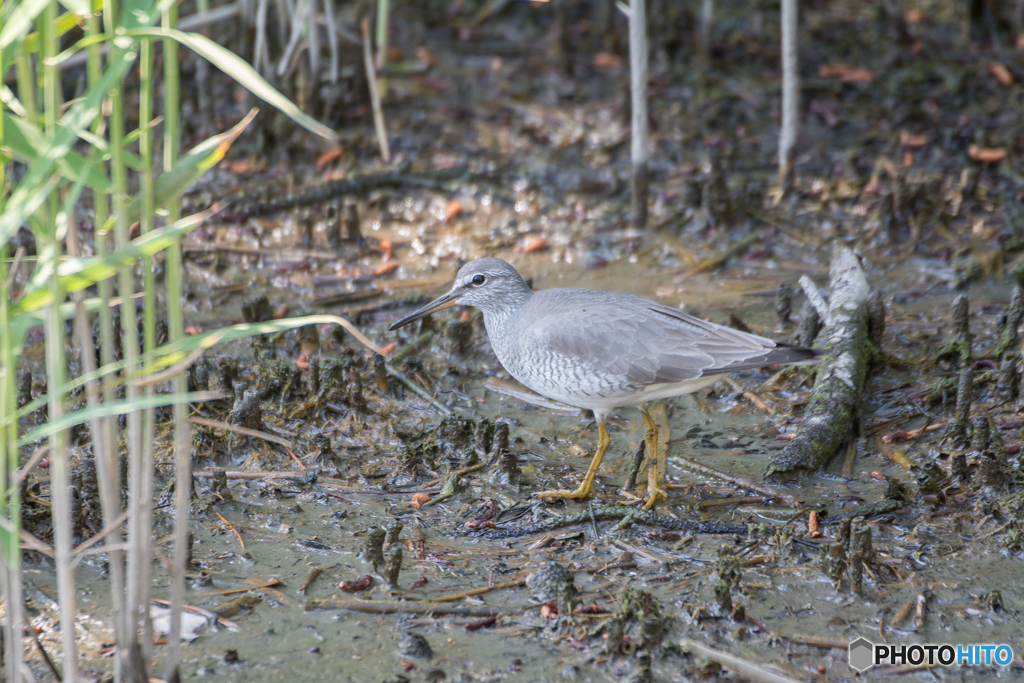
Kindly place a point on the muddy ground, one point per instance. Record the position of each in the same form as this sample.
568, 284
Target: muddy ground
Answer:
517, 141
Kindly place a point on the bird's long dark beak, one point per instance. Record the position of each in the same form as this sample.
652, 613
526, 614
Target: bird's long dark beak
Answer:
449, 299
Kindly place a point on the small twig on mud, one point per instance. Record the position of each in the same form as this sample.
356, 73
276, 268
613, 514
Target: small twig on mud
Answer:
902, 614
238, 474
344, 488
458, 473
768, 491
232, 527
249, 432
418, 390
817, 641
46, 656
480, 591
270, 583
734, 249
109, 529
381, 607
598, 569
738, 500
313, 573
743, 667
874, 428
412, 347
36, 458
748, 394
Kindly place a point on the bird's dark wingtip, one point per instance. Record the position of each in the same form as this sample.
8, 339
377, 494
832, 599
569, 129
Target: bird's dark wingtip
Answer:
791, 354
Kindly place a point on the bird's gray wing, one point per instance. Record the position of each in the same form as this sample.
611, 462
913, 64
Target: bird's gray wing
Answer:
642, 342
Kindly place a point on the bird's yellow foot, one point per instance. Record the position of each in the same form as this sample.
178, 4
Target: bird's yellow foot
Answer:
654, 490
578, 494
586, 487
652, 497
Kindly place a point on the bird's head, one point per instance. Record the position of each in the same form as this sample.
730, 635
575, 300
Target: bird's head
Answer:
489, 284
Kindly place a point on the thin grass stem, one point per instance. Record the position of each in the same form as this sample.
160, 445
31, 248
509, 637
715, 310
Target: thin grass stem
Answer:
176, 325
60, 479
10, 497
108, 471
640, 154
131, 661
375, 104
143, 506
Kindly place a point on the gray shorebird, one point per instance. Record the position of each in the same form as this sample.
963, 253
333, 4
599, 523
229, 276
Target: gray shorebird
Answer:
603, 350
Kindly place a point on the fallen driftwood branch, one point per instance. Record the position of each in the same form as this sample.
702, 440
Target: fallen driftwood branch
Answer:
840, 382
743, 667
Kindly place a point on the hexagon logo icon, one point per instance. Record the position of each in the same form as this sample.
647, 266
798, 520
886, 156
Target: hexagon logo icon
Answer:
861, 654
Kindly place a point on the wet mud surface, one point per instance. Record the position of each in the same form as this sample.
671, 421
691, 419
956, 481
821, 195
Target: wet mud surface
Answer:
516, 158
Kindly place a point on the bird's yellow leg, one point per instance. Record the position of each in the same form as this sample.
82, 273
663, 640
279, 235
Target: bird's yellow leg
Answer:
654, 490
586, 487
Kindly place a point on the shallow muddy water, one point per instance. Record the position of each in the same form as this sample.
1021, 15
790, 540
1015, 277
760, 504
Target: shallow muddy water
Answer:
540, 178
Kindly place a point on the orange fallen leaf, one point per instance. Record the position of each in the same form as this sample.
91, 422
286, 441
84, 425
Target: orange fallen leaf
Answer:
331, 155
986, 153
901, 435
453, 209
419, 499
386, 248
846, 73
908, 139
908, 159
531, 243
407, 666
424, 54
476, 524
360, 584
1002, 74
913, 16
302, 362
237, 165
388, 348
389, 267
609, 60
812, 525
192, 330
873, 188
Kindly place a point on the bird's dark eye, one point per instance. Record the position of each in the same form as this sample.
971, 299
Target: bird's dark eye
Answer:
479, 280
